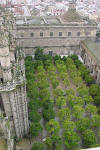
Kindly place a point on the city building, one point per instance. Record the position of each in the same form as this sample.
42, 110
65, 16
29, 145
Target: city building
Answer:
56, 35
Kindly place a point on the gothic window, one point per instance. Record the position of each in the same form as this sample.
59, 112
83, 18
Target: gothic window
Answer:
51, 33
78, 33
69, 33
60, 33
41, 34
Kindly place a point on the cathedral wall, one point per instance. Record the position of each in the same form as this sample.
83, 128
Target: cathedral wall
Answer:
15, 106
19, 110
6, 103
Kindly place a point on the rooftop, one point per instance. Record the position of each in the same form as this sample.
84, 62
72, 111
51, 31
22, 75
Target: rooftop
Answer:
93, 47
71, 17
51, 21
38, 21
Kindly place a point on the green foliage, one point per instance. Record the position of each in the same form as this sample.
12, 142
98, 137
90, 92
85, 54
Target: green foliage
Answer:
91, 109
55, 83
44, 93
74, 57
61, 67
69, 125
33, 94
83, 91
48, 142
79, 101
47, 61
71, 100
85, 74
58, 92
34, 105
77, 80
54, 141
67, 68
64, 113
53, 127
70, 92
28, 65
38, 146
89, 138
58, 148
64, 58
42, 84
66, 82
57, 57
96, 121
76, 60
38, 63
60, 101
51, 69
70, 64
94, 89
39, 54
47, 103
89, 79
48, 114
41, 75
34, 116
88, 99
63, 75
78, 111
71, 140
35, 129
97, 99
83, 124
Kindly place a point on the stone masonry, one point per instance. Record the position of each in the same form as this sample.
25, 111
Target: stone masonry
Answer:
12, 77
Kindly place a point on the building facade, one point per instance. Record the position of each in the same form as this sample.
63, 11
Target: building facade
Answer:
90, 53
13, 102
56, 35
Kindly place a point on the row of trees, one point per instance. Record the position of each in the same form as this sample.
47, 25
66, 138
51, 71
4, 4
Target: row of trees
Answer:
75, 109
94, 89
85, 74
53, 141
80, 105
34, 103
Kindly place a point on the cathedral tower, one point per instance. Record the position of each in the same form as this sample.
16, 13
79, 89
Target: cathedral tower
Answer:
12, 77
